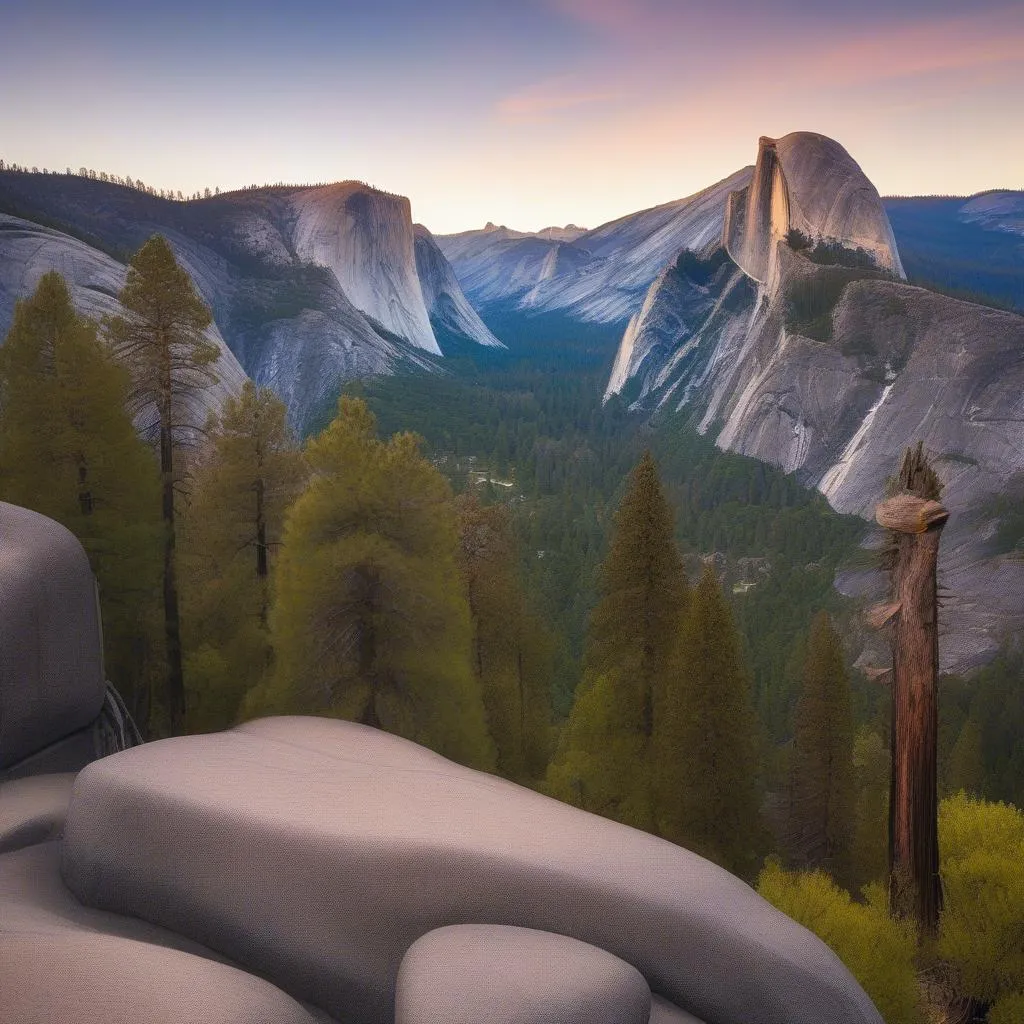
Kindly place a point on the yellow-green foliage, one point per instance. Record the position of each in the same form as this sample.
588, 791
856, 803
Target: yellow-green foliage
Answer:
1009, 1010
981, 932
878, 951
370, 620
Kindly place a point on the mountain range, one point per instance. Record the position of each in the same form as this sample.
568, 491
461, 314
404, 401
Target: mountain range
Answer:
781, 310
309, 287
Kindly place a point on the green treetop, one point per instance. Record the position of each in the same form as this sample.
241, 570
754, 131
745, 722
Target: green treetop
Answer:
512, 651
603, 757
822, 812
68, 449
704, 763
250, 471
162, 341
370, 620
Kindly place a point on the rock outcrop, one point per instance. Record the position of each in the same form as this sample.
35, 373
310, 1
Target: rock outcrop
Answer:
365, 238
255, 863
810, 184
442, 294
308, 286
28, 250
810, 352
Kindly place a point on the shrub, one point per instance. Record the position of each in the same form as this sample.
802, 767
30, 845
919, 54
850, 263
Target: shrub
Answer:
981, 931
878, 951
1009, 1010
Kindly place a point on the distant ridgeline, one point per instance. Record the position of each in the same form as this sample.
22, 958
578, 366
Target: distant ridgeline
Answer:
309, 287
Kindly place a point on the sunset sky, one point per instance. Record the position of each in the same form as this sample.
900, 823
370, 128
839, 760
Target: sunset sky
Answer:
524, 112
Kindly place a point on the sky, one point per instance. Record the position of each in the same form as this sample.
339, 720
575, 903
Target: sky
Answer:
521, 112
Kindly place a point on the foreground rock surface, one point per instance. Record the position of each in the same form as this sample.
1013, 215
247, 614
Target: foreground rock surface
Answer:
316, 852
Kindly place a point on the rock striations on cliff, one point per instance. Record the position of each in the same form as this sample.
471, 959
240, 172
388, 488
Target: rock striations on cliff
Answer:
797, 340
28, 251
442, 294
308, 286
599, 275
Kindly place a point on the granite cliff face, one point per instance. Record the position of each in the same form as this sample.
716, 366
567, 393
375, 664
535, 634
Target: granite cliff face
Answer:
442, 295
308, 286
810, 184
815, 355
28, 251
599, 276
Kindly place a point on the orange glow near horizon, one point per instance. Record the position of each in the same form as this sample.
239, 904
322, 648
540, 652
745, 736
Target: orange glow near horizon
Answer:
591, 110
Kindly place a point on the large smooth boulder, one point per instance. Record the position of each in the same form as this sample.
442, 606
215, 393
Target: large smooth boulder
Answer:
316, 852
62, 962
469, 973
51, 652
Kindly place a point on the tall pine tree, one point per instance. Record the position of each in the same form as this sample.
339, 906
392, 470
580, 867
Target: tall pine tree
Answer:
603, 759
162, 341
68, 449
822, 816
704, 765
250, 471
512, 651
370, 621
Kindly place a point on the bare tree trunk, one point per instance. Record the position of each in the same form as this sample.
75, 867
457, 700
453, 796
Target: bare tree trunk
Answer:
172, 618
914, 886
261, 551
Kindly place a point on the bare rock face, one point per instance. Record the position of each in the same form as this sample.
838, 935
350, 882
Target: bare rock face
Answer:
308, 286
442, 294
998, 211
829, 369
599, 276
808, 183
28, 251
365, 238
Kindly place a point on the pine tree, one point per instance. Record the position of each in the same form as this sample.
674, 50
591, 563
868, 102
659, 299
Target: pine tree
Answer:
250, 472
68, 449
822, 817
603, 758
370, 622
512, 652
162, 341
704, 765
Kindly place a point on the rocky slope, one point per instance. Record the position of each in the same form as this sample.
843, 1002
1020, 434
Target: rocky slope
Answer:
28, 251
601, 275
442, 295
308, 286
820, 359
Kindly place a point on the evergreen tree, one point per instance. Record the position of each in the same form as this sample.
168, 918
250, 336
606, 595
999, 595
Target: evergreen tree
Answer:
68, 449
705, 744
603, 758
252, 470
512, 652
370, 622
966, 770
162, 341
821, 781
869, 853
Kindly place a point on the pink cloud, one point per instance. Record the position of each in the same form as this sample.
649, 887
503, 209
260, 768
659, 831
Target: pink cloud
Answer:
921, 48
541, 101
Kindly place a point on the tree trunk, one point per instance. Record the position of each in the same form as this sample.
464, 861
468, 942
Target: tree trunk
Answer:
172, 620
914, 886
261, 551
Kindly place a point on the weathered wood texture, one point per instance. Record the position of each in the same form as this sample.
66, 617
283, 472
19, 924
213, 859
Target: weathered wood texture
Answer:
914, 886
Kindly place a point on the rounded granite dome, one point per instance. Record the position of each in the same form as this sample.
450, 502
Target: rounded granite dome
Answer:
831, 197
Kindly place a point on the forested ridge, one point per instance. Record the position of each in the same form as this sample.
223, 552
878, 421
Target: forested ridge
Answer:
491, 561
